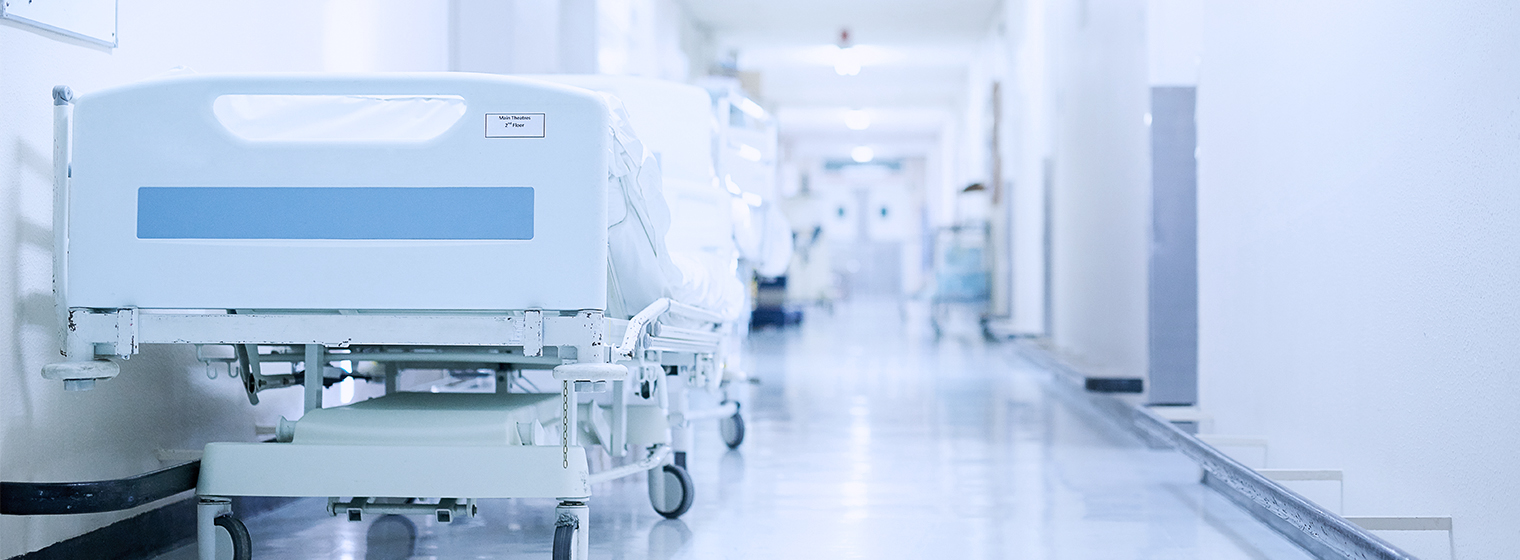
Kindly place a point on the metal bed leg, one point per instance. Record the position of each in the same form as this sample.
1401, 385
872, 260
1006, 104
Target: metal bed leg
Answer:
316, 361
619, 419
392, 377
680, 427
212, 516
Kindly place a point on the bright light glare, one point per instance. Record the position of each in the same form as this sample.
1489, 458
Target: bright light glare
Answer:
857, 120
862, 154
847, 62
733, 188
754, 110
752, 199
346, 390
749, 152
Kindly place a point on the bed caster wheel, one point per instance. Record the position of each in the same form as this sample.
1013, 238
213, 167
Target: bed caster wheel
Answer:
732, 429
391, 537
232, 540
565, 529
670, 491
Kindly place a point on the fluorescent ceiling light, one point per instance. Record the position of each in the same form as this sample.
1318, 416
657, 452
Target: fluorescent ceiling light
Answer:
857, 119
862, 154
847, 62
749, 152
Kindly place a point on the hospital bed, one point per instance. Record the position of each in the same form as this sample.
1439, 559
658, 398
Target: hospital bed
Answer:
442, 219
674, 123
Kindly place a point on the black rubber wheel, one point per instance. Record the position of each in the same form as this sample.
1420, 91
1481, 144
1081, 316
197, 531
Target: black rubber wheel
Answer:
242, 544
732, 429
678, 491
391, 537
564, 540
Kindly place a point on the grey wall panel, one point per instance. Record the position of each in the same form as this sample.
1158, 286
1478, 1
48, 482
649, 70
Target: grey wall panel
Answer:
1173, 291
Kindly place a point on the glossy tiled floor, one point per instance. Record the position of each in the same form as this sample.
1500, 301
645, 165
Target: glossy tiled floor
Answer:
867, 439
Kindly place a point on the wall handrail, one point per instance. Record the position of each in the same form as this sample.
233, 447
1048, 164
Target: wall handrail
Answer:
1319, 524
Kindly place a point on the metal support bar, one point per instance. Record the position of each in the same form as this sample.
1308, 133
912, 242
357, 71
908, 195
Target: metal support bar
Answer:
315, 363
426, 357
444, 511
693, 312
724, 410
677, 345
392, 378
637, 327
695, 335
63, 114
1324, 527
655, 458
619, 412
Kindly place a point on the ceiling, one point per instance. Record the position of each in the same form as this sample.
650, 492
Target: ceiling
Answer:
914, 57
751, 23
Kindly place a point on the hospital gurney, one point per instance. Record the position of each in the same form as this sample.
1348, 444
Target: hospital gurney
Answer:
174, 227
960, 273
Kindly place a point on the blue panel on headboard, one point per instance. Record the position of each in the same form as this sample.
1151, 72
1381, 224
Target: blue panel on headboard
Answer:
335, 213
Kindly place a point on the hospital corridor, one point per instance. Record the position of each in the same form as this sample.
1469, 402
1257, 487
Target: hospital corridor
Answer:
758, 279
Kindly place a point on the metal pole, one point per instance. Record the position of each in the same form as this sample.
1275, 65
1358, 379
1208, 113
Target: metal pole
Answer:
63, 114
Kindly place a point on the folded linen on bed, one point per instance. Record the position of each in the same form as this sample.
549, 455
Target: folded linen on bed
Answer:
676, 247
639, 267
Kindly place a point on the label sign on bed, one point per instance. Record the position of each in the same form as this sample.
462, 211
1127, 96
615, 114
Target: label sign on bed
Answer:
335, 213
515, 125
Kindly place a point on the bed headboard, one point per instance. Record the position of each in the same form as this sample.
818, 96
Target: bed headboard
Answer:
505, 208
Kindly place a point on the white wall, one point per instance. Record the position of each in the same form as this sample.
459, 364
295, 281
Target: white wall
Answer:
1359, 249
162, 399
654, 38
1029, 116
1101, 195
644, 38
1074, 93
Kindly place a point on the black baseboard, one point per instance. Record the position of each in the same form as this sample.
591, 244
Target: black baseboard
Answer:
1115, 384
145, 535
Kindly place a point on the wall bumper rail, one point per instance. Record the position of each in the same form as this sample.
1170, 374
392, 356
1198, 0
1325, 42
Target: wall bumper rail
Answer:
66, 498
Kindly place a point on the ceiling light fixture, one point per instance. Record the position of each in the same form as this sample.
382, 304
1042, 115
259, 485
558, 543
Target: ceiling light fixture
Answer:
862, 154
847, 62
846, 58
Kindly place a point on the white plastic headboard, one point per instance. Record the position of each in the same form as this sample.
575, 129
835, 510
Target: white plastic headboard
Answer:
228, 223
